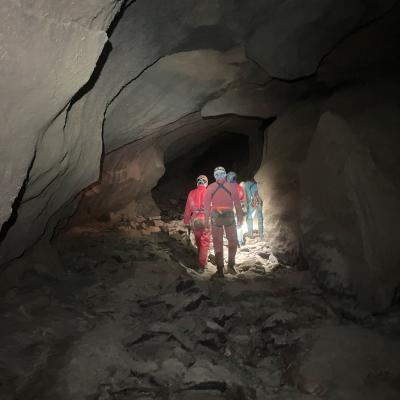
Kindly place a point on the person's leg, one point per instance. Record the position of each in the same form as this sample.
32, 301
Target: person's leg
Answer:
231, 235
204, 244
197, 235
217, 233
249, 221
240, 236
260, 222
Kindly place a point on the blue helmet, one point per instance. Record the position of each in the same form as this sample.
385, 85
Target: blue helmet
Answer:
231, 177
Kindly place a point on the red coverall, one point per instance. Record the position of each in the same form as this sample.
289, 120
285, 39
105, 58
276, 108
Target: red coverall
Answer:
220, 202
195, 209
240, 192
242, 197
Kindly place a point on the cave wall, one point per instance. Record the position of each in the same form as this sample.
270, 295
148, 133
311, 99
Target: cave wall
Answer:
48, 52
287, 140
177, 85
350, 212
331, 174
296, 35
128, 176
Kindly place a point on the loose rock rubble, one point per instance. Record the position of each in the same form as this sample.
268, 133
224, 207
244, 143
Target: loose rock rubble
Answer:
131, 319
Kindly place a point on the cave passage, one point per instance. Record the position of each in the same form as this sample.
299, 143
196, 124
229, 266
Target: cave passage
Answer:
109, 110
228, 149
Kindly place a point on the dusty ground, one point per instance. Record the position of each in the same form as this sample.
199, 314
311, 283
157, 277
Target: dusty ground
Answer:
129, 319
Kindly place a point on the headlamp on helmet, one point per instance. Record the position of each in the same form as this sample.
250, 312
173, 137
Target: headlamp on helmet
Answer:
219, 173
202, 180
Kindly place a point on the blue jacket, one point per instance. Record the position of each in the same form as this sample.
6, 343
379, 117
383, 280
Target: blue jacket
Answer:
250, 188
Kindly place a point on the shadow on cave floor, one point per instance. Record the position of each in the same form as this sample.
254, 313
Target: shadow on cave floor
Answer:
129, 319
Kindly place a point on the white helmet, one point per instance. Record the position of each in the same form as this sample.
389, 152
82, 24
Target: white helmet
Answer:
219, 173
202, 180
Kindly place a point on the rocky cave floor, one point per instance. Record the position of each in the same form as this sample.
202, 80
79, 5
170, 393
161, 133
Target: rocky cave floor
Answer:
128, 318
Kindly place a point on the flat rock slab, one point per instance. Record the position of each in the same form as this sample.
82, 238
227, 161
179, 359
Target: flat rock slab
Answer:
204, 372
352, 360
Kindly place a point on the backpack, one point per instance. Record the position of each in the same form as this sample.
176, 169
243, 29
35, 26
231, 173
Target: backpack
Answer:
255, 200
197, 220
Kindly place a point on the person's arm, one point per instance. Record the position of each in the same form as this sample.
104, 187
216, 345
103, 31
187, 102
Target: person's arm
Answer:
188, 210
245, 200
241, 194
207, 207
238, 207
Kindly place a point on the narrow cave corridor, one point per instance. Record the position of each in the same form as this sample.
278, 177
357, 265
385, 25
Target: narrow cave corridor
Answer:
110, 111
229, 149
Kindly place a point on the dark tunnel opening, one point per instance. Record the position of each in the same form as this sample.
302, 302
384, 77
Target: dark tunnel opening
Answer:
228, 149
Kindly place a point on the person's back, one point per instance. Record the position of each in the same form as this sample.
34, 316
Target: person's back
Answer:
250, 187
221, 195
254, 205
195, 204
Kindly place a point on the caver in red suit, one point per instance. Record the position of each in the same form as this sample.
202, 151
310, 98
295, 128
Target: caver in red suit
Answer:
240, 192
195, 217
220, 200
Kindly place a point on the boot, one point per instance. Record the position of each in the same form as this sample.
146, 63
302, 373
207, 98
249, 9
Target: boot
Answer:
231, 269
219, 258
231, 260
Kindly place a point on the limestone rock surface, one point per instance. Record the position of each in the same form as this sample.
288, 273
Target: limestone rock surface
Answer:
353, 203
175, 86
296, 35
48, 51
